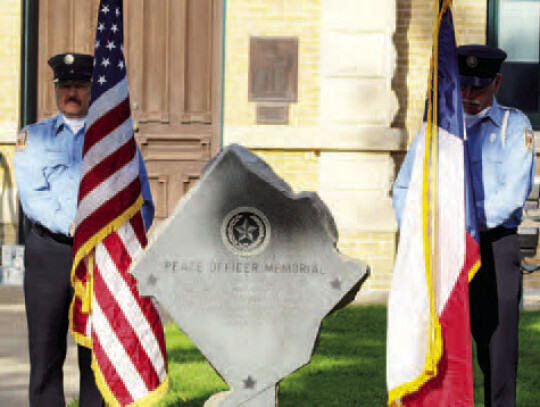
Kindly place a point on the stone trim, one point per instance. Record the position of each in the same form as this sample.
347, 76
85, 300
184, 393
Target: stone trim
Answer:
327, 138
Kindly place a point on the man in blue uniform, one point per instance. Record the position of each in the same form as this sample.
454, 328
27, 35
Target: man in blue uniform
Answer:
47, 167
500, 144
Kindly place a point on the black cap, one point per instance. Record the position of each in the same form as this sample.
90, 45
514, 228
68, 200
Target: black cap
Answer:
479, 64
72, 67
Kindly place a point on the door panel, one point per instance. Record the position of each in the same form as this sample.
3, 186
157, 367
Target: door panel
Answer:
198, 82
173, 54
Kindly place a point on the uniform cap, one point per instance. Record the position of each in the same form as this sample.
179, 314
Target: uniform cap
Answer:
72, 67
479, 64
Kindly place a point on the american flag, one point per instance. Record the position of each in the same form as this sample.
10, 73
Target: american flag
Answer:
107, 314
429, 356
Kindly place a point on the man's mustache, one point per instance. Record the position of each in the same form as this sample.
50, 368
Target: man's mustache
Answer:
76, 100
471, 102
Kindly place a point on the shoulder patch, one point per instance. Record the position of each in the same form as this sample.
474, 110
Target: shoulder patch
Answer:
529, 139
22, 138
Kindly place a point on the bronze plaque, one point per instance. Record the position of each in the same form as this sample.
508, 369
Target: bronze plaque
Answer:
273, 114
273, 69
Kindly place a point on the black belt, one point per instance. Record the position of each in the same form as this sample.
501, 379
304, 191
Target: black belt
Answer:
59, 237
497, 233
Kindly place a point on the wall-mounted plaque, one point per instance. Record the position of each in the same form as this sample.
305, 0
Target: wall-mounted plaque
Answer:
273, 114
273, 69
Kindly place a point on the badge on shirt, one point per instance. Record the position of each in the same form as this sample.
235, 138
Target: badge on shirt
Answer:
529, 139
21, 141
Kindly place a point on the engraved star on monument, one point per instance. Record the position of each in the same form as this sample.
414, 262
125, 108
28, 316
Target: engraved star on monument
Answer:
249, 383
152, 280
248, 269
336, 284
246, 231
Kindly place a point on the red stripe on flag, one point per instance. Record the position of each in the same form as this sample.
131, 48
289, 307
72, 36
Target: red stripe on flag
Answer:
116, 385
79, 320
107, 167
80, 272
106, 124
122, 260
120, 256
125, 333
150, 310
106, 213
138, 226
146, 304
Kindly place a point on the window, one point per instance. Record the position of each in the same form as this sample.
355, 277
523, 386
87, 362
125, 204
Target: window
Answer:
514, 25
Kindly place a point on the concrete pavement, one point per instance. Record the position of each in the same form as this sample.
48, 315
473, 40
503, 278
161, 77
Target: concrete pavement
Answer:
14, 363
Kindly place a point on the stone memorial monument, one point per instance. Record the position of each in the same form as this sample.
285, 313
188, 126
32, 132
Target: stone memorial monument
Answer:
248, 269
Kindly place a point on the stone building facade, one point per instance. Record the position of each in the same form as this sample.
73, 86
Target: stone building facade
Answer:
351, 104
362, 82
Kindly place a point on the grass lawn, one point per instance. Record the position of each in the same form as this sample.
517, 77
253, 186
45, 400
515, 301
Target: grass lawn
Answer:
347, 369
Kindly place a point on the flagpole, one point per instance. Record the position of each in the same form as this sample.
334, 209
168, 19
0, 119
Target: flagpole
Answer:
129, 358
440, 325
430, 202
432, 149
435, 152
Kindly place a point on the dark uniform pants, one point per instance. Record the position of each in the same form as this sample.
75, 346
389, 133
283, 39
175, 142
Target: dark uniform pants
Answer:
48, 293
495, 294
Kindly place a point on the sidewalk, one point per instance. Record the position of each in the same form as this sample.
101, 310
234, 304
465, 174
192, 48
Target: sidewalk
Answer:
14, 364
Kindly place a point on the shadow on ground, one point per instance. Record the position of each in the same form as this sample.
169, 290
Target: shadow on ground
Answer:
346, 369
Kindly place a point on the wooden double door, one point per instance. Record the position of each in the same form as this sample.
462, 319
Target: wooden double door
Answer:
174, 57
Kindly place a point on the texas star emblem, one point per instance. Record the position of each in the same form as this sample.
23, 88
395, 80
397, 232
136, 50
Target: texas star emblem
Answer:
69, 59
245, 231
472, 62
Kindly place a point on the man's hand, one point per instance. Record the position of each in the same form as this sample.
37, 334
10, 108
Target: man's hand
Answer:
71, 230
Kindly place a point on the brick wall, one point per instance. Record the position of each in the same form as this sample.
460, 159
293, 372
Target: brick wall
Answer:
377, 250
10, 15
273, 18
10, 36
301, 169
304, 171
344, 100
413, 41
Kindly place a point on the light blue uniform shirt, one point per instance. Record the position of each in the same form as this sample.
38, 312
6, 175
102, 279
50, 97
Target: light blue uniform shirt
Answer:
48, 171
502, 167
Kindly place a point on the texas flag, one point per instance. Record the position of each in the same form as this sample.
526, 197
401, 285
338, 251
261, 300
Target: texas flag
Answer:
429, 361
